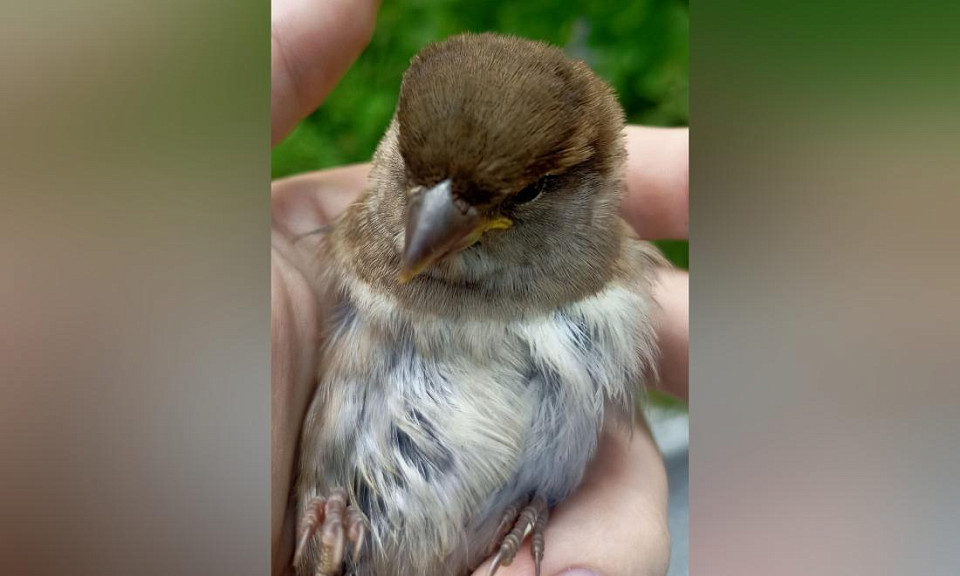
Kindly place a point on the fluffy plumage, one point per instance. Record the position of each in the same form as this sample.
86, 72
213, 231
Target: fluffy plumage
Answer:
484, 379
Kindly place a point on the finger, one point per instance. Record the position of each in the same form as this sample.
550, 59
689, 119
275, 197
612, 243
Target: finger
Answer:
313, 42
616, 522
672, 293
304, 203
658, 174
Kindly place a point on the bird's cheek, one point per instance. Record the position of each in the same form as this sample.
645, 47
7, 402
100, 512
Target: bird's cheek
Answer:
492, 237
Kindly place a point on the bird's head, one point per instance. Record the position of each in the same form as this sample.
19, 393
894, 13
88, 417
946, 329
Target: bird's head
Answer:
503, 134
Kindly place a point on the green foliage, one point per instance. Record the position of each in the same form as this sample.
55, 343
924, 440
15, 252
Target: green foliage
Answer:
639, 46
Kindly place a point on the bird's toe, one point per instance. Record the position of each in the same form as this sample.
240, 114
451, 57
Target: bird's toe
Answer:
532, 519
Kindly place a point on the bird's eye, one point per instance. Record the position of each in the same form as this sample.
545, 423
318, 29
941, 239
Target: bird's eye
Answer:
531, 192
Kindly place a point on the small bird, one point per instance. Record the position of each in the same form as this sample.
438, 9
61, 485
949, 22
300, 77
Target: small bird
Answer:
486, 311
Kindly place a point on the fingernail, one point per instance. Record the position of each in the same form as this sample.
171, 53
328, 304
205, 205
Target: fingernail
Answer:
579, 572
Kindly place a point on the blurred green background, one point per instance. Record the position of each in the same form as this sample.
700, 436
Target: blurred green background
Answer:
639, 46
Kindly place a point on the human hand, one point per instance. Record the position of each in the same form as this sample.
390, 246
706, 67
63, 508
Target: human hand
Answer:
616, 522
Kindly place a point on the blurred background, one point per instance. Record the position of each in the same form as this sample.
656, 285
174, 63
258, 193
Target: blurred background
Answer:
641, 47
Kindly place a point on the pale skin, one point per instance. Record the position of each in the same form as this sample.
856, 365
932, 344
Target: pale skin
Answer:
616, 522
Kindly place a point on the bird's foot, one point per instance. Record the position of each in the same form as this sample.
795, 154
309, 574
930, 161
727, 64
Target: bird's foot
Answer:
531, 519
334, 523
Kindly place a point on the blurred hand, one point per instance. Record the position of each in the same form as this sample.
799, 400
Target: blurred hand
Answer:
616, 523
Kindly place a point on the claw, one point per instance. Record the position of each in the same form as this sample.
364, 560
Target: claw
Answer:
536, 541
506, 522
309, 525
301, 545
357, 531
532, 519
326, 517
495, 565
332, 535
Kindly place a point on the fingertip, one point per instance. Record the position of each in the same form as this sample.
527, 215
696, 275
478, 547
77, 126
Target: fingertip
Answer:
313, 44
656, 202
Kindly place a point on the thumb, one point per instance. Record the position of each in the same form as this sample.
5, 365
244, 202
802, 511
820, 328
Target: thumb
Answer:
313, 42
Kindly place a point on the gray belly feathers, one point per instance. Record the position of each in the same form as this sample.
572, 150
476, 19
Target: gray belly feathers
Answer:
436, 427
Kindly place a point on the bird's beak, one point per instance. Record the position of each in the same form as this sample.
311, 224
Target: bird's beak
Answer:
437, 227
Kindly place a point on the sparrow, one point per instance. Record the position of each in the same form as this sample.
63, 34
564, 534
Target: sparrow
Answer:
487, 311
